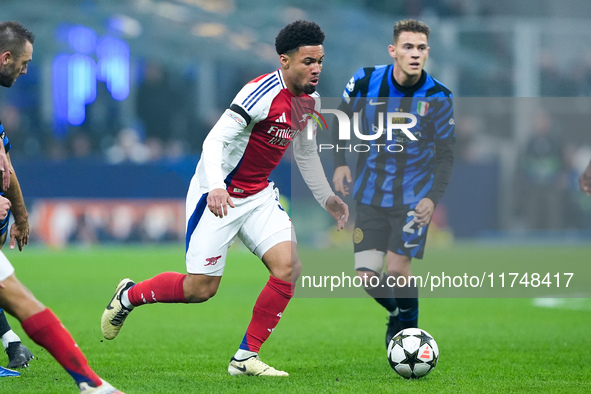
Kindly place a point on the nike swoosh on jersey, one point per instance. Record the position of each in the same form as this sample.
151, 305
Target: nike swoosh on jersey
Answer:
371, 102
410, 246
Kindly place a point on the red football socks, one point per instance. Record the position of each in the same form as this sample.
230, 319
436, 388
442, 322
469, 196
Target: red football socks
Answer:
46, 330
266, 313
165, 287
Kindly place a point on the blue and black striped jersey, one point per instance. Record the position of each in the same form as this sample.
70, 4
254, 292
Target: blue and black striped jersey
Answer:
399, 171
4, 222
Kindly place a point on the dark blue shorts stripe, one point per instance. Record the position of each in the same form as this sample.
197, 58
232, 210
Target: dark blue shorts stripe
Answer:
195, 217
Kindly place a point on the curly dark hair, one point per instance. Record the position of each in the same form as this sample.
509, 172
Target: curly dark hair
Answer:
297, 34
13, 36
411, 25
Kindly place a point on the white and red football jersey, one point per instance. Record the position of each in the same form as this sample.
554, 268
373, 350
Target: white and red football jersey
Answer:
251, 137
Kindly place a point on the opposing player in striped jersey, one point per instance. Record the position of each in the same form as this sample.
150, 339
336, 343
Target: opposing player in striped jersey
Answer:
399, 180
230, 195
38, 321
18, 354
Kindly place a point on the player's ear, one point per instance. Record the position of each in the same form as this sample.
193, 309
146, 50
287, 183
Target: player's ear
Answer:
392, 51
284, 60
4, 57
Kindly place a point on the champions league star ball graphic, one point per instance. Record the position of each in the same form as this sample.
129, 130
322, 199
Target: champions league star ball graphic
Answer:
413, 353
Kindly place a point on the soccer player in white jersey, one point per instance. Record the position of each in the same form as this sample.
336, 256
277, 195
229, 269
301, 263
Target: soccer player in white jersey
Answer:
231, 181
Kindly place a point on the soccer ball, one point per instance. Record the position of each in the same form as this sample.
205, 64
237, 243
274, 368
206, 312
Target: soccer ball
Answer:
413, 353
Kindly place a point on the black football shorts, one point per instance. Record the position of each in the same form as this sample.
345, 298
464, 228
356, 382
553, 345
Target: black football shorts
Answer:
389, 229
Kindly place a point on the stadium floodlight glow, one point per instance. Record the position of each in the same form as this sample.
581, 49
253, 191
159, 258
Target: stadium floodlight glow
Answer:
113, 66
82, 39
75, 75
81, 87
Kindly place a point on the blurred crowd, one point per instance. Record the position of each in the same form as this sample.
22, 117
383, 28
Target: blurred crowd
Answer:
90, 222
548, 185
543, 183
163, 125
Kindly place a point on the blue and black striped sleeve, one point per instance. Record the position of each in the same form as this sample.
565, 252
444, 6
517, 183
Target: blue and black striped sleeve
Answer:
444, 156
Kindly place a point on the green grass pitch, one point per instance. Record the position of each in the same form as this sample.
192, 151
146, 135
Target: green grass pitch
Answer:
326, 344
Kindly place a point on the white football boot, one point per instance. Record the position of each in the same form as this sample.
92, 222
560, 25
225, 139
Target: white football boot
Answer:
115, 313
253, 366
104, 388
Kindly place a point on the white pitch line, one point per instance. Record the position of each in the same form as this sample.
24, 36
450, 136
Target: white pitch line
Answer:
576, 304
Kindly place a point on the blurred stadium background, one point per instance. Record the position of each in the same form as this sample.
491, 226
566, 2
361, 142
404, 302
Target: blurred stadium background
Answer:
107, 126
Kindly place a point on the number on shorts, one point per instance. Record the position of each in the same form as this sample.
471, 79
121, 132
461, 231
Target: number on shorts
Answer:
410, 226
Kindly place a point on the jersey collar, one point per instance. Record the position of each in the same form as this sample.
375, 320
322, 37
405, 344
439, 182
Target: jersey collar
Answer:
281, 80
408, 90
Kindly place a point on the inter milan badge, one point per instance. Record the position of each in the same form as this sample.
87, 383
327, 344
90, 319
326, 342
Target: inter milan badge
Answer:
357, 235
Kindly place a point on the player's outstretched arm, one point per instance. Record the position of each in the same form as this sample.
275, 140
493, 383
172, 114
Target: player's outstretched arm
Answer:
341, 179
312, 171
306, 156
585, 180
5, 167
223, 133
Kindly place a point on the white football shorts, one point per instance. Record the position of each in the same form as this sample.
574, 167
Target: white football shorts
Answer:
6, 269
258, 220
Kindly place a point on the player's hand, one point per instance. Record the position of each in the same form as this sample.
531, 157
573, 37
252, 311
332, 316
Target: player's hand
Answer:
585, 181
423, 212
341, 174
5, 168
218, 201
19, 234
4, 207
339, 210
